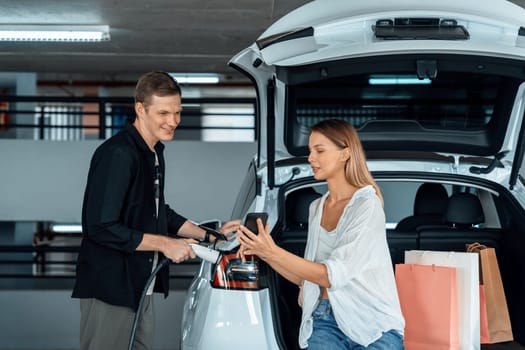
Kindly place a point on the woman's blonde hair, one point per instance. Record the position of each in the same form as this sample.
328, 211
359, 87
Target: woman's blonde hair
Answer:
344, 135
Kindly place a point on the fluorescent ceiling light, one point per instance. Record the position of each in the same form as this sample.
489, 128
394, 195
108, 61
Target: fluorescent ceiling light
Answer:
66, 228
196, 78
46, 32
397, 80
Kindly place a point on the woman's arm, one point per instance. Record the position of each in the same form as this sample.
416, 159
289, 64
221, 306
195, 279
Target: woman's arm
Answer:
290, 266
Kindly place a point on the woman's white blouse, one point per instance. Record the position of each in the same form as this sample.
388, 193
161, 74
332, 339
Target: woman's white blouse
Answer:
327, 243
363, 292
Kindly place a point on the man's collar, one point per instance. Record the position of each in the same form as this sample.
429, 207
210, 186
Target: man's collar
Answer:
137, 137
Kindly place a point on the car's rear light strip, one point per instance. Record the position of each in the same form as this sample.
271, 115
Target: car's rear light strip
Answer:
232, 273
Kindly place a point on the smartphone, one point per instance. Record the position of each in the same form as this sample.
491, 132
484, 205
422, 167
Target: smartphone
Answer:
251, 221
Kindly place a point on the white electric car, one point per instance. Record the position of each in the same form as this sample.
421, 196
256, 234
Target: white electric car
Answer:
436, 90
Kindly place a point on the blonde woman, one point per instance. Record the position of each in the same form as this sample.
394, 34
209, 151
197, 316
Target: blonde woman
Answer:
349, 296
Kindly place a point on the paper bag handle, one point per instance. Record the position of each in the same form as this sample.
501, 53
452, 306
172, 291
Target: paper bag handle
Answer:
475, 247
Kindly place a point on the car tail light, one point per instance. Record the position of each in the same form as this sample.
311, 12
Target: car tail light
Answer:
232, 273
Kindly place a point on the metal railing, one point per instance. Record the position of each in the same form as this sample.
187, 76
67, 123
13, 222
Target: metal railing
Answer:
77, 118
58, 262
53, 255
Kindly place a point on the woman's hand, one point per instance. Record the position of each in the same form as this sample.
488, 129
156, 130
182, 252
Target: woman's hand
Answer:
261, 245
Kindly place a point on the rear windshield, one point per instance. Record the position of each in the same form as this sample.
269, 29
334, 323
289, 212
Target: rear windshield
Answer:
453, 103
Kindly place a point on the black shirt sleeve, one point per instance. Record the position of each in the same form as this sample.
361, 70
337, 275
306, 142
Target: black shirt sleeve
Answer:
175, 221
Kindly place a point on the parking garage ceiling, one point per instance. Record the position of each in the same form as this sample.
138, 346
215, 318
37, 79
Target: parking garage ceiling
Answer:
171, 35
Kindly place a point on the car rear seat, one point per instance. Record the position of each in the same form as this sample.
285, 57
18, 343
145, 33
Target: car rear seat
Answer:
398, 242
429, 209
463, 213
430, 205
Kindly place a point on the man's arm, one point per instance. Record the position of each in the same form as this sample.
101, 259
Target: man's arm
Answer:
190, 230
177, 250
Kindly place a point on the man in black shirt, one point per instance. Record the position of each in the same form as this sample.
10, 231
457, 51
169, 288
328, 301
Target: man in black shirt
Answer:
127, 226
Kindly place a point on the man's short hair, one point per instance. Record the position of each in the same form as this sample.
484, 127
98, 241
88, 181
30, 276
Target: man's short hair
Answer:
155, 83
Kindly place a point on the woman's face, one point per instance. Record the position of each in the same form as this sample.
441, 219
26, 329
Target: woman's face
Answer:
326, 159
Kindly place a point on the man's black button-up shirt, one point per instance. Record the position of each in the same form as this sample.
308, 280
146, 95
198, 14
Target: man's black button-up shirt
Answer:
119, 207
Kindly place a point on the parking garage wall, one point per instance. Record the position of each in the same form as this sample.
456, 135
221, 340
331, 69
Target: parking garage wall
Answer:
44, 181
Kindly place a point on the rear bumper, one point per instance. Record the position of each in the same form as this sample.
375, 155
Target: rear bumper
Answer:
226, 319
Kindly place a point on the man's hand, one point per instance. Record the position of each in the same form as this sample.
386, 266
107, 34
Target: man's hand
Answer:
179, 250
230, 228
190, 229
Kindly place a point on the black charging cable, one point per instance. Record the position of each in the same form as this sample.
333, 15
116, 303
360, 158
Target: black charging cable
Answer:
295, 171
211, 232
160, 265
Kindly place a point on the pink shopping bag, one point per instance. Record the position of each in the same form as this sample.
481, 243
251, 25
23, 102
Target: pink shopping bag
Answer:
429, 302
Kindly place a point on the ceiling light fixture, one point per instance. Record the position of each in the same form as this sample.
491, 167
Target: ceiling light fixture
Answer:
196, 78
63, 228
47, 32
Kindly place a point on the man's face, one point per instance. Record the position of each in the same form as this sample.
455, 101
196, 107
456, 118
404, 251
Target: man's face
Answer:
157, 120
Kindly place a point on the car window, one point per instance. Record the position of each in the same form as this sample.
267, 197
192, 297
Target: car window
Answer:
247, 193
455, 102
450, 101
398, 200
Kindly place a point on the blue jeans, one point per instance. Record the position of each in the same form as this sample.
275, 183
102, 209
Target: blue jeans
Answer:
326, 334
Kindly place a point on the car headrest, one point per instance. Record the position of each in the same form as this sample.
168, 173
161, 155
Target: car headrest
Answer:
431, 198
464, 209
298, 205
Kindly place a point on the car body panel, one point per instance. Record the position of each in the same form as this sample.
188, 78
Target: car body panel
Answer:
247, 313
342, 28
318, 13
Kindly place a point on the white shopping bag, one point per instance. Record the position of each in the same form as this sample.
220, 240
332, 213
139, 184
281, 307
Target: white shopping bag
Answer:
467, 274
